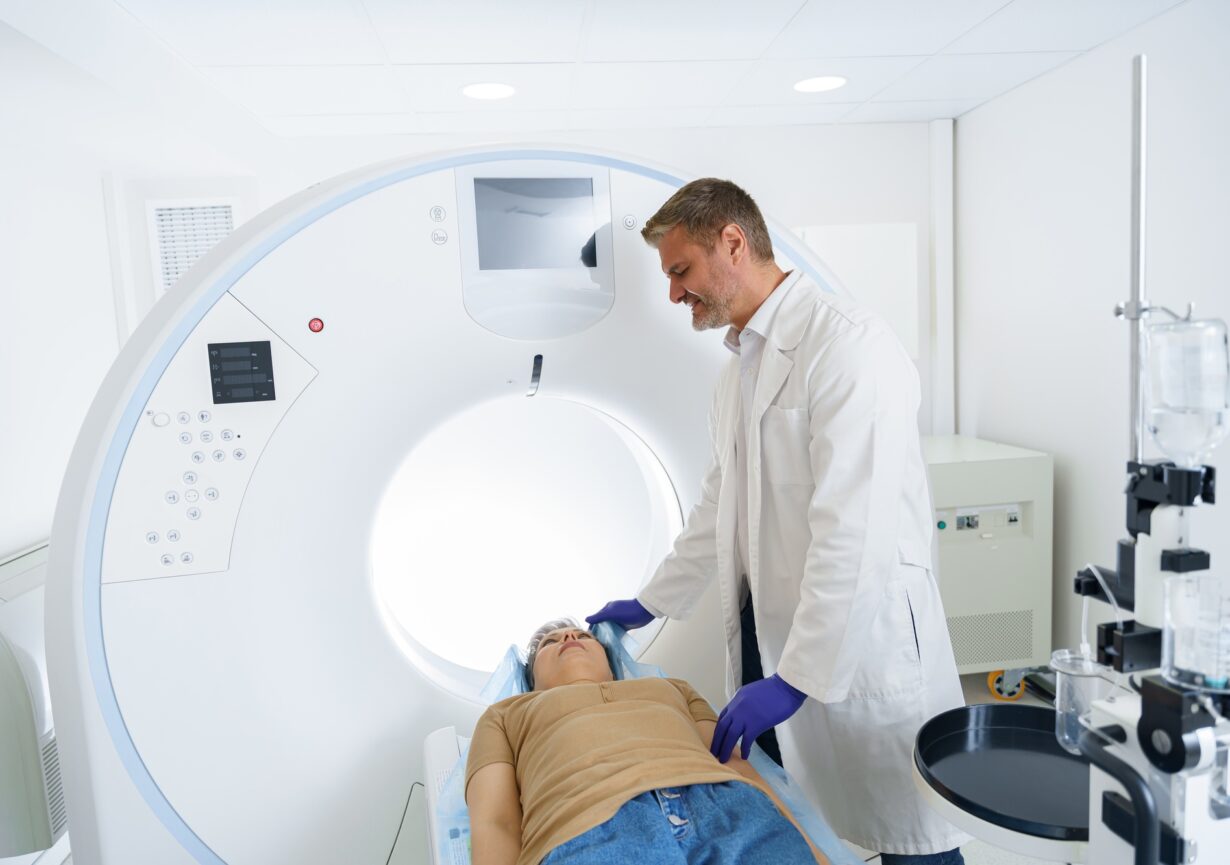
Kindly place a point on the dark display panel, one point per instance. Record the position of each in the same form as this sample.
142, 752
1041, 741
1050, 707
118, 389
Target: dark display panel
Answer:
241, 371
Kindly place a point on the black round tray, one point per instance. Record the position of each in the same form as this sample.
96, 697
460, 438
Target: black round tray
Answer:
1002, 764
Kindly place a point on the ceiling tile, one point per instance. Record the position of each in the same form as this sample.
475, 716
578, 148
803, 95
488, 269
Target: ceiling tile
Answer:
438, 88
1056, 25
639, 118
966, 76
772, 81
656, 85
267, 33
633, 30
869, 28
342, 124
290, 90
478, 31
910, 112
779, 115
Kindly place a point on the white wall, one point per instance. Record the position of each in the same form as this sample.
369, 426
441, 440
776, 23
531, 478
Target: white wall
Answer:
56, 294
1043, 213
62, 130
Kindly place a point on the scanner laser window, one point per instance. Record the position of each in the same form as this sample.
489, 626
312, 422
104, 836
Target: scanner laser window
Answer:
535, 223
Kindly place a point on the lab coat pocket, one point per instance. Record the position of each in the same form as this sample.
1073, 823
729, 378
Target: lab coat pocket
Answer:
891, 664
785, 436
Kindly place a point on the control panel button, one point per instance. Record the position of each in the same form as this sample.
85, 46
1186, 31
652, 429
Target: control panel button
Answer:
206, 436
183, 417
172, 497
194, 513
629, 222
439, 237
186, 558
239, 454
189, 478
211, 494
437, 213
204, 416
173, 536
151, 538
198, 457
185, 438
191, 495
227, 435
219, 456
161, 419
167, 559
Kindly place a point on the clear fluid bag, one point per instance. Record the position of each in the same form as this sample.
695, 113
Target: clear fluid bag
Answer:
1188, 388
1196, 637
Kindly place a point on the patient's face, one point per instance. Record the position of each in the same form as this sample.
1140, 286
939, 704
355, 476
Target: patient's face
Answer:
570, 655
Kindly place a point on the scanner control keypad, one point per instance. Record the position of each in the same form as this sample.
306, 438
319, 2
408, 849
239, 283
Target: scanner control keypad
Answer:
187, 497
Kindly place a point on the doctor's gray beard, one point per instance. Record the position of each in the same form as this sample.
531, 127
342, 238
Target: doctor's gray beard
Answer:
717, 301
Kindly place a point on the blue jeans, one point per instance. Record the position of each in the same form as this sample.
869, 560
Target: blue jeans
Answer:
950, 857
702, 824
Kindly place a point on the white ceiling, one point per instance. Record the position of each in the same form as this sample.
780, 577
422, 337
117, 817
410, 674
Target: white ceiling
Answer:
338, 67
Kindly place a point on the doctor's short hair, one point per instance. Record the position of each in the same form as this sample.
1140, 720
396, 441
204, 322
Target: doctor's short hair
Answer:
704, 207
531, 648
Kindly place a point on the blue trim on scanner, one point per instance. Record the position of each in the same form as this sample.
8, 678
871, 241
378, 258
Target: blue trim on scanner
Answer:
95, 646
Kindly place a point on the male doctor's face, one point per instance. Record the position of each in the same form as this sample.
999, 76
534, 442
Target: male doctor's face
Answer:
701, 277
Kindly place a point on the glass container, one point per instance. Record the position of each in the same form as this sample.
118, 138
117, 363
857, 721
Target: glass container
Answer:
1188, 388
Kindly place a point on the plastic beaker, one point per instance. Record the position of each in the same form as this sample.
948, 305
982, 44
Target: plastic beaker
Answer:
1078, 683
1196, 638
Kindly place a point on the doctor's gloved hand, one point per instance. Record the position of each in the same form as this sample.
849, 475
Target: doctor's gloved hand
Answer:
627, 614
756, 707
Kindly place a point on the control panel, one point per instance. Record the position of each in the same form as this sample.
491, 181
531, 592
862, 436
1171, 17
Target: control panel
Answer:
199, 438
984, 522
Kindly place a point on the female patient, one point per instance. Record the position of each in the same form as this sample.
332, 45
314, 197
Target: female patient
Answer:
585, 769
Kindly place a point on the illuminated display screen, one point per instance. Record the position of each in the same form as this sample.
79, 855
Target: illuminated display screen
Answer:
532, 223
241, 372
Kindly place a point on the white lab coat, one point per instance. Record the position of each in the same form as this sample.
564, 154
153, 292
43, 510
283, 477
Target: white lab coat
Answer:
839, 543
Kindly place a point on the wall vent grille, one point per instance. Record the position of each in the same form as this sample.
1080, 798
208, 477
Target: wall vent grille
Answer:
56, 811
184, 234
992, 637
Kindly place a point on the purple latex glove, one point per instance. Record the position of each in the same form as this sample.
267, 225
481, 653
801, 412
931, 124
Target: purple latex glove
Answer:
627, 614
756, 707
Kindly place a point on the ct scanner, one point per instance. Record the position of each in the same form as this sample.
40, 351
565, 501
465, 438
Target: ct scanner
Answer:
381, 432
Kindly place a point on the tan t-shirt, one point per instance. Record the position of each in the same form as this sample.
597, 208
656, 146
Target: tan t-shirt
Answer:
581, 751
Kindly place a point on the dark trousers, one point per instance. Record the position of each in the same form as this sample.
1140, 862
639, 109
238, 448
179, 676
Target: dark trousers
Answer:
752, 671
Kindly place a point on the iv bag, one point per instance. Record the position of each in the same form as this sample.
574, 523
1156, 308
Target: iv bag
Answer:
1188, 398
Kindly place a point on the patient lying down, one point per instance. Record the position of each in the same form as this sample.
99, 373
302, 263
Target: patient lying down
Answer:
585, 769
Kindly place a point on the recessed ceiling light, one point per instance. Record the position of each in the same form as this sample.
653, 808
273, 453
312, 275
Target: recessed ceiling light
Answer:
821, 84
488, 90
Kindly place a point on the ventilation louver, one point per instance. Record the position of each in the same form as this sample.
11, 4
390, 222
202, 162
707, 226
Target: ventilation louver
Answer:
184, 234
992, 637
54, 785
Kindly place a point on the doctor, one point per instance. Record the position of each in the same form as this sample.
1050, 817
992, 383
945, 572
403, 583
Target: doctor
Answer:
814, 512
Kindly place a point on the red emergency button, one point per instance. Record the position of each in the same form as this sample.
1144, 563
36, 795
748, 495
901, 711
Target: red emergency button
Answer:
316, 325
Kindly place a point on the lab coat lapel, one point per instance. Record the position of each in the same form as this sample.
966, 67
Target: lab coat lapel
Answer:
775, 367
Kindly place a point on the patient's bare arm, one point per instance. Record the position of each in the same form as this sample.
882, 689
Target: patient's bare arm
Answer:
495, 815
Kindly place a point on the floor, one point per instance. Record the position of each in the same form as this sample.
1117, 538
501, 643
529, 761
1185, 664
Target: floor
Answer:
979, 852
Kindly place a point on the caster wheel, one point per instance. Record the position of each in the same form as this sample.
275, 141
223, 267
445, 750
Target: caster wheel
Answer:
995, 684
